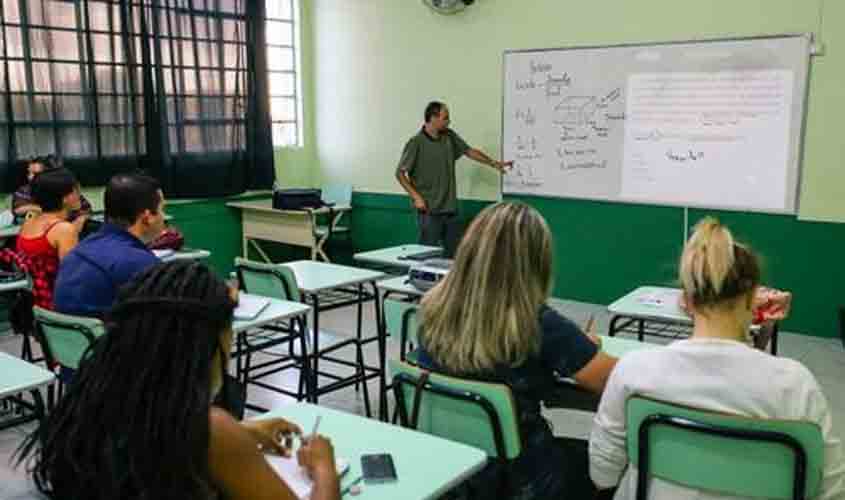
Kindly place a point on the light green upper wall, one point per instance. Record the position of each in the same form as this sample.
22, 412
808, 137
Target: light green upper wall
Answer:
372, 65
823, 182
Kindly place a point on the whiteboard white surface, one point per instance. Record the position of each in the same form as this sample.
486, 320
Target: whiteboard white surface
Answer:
714, 124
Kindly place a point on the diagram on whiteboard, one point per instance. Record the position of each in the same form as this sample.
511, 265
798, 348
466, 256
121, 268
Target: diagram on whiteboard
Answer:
558, 123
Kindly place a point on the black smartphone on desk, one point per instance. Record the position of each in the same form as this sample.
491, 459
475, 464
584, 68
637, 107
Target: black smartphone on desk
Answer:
378, 468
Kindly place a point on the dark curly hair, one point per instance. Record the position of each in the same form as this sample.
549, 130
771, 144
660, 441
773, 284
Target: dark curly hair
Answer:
134, 422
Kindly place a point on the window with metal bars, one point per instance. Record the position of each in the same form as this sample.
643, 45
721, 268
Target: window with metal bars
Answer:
110, 85
283, 61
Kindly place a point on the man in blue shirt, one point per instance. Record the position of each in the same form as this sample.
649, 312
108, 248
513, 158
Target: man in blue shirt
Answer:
91, 274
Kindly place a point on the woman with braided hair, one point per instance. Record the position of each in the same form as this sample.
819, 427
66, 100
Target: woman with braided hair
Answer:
138, 423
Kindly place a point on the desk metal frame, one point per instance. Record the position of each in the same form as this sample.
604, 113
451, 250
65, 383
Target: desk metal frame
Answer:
671, 324
334, 296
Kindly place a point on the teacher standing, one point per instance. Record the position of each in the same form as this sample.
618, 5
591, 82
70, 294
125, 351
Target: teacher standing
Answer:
427, 172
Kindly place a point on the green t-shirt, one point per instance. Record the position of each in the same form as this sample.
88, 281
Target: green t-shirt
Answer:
430, 163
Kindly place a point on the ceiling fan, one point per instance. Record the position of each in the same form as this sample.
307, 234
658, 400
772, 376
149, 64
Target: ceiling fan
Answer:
448, 6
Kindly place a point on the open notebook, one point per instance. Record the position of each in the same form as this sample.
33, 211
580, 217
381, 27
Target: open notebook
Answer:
249, 307
295, 476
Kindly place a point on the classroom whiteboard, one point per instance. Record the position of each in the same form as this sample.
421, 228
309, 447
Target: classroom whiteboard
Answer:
712, 124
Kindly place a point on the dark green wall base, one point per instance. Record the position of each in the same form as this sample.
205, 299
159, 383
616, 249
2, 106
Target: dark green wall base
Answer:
602, 250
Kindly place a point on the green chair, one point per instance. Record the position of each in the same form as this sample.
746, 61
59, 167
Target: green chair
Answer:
724, 453
326, 227
335, 194
479, 414
401, 318
279, 282
64, 340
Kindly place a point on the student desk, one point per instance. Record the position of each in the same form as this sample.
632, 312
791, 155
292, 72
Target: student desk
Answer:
13, 286
293, 227
571, 396
277, 310
394, 258
657, 311
20, 376
186, 254
329, 286
426, 466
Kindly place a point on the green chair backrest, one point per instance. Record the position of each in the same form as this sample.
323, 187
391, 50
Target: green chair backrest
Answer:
400, 315
267, 280
454, 408
66, 337
711, 460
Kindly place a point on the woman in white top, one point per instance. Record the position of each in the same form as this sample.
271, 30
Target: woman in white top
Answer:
715, 369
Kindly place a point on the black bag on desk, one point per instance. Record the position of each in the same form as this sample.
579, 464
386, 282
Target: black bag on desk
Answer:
297, 199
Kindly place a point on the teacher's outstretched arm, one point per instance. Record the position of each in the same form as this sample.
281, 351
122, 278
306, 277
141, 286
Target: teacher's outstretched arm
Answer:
481, 157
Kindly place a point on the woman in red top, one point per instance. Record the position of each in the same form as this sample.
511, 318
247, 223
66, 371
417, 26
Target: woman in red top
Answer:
48, 237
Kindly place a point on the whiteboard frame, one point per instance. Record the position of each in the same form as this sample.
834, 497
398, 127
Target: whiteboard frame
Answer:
800, 150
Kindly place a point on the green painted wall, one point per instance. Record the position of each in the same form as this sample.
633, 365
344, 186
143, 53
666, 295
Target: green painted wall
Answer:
375, 64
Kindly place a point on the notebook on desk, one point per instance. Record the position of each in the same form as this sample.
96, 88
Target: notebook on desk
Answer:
296, 477
249, 307
428, 254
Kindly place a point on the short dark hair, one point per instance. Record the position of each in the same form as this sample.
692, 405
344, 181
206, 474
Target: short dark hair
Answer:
51, 186
433, 108
48, 161
128, 195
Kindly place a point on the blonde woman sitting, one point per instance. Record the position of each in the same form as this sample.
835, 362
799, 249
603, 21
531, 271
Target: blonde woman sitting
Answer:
488, 320
714, 369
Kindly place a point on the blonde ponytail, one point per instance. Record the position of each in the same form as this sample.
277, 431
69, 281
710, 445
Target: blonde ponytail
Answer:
714, 268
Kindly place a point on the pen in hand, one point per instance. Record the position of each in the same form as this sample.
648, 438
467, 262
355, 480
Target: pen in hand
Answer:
316, 426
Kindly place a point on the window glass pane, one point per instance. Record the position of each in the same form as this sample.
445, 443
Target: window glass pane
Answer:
282, 84
32, 142
279, 9
186, 54
58, 13
54, 44
279, 58
66, 77
208, 55
77, 141
213, 108
284, 134
14, 43
70, 108
283, 108
117, 141
193, 138
17, 77
279, 33
235, 82
233, 6
234, 55
119, 53
42, 108
102, 47
115, 110
21, 108
11, 12
233, 31
98, 14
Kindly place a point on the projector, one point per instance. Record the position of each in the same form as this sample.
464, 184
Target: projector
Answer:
426, 274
